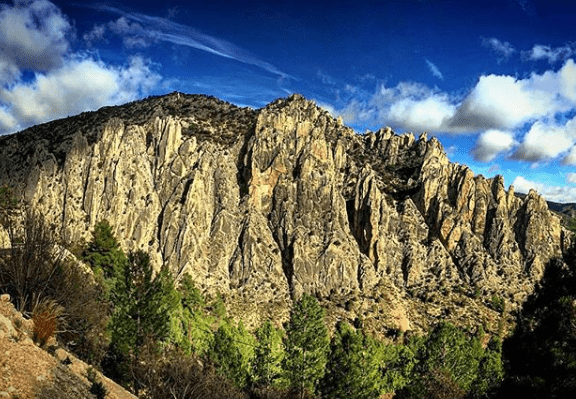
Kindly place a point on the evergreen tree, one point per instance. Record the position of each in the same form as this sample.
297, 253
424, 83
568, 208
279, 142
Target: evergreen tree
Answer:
398, 362
192, 325
451, 364
490, 371
144, 304
105, 256
307, 345
233, 350
449, 348
268, 356
353, 369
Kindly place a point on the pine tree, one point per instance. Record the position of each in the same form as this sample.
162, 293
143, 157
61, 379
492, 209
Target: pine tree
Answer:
307, 345
105, 256
233, 350
144, 304
449, 348
490, 371
353, 369
268, 356
448, 364
192, 325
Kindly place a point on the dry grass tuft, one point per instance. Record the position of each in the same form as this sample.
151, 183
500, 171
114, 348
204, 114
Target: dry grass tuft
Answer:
45, 316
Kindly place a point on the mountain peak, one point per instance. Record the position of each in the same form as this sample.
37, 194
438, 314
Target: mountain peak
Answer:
264, 205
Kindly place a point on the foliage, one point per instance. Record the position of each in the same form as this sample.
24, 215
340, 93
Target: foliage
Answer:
490, 371
7, 198
36, 271
144, 304
542, 352
168, 373
398, 363
192, 323
353, 368
571, 225
498, 304
452, 363
440, 384
268, 356
191, 297
233, 350
105, 256
307, 345
97, 388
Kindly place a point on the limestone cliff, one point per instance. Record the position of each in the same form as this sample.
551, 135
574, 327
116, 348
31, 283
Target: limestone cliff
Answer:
262, 205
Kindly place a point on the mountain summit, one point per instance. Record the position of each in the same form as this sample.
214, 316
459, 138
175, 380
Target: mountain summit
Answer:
263, 205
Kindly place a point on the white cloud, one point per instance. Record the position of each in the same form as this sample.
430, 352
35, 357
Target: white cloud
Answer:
79, 85
133, 34
413, 106
562, 194
546, 141
32, 36
504, 102
491, 143
552, 55
571, 178
429, 114
503, 49
497, 102
97, 34
434, 69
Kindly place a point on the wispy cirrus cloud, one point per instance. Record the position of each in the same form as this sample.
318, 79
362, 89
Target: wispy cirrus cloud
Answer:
434, 69
503, 49
527, 7
162, 29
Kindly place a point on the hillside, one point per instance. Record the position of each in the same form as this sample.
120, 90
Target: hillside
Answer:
263, 205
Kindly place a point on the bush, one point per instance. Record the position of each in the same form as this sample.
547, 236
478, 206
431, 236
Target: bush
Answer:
168, 373
498, 304
36, 271
45, 316
97, 388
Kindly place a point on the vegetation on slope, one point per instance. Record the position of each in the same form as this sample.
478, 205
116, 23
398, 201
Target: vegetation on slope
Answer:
162, 338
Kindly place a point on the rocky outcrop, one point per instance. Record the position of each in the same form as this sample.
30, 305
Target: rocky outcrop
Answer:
262, 205
31, 372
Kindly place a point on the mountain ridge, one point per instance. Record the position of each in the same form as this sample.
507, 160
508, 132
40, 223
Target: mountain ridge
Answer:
262, 205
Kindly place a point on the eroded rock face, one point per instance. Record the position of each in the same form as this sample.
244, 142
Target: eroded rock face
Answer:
262, 205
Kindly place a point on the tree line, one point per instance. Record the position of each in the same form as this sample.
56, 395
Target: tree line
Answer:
298, 359
163, 339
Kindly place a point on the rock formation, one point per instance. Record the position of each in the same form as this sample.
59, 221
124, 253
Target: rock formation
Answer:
262, 205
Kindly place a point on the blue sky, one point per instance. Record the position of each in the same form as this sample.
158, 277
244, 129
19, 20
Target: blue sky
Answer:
494, 80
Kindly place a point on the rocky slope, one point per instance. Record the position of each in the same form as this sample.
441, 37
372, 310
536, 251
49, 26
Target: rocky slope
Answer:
27, 371
262, 205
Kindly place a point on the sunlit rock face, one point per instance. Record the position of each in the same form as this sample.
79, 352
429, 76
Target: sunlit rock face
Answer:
263, 205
